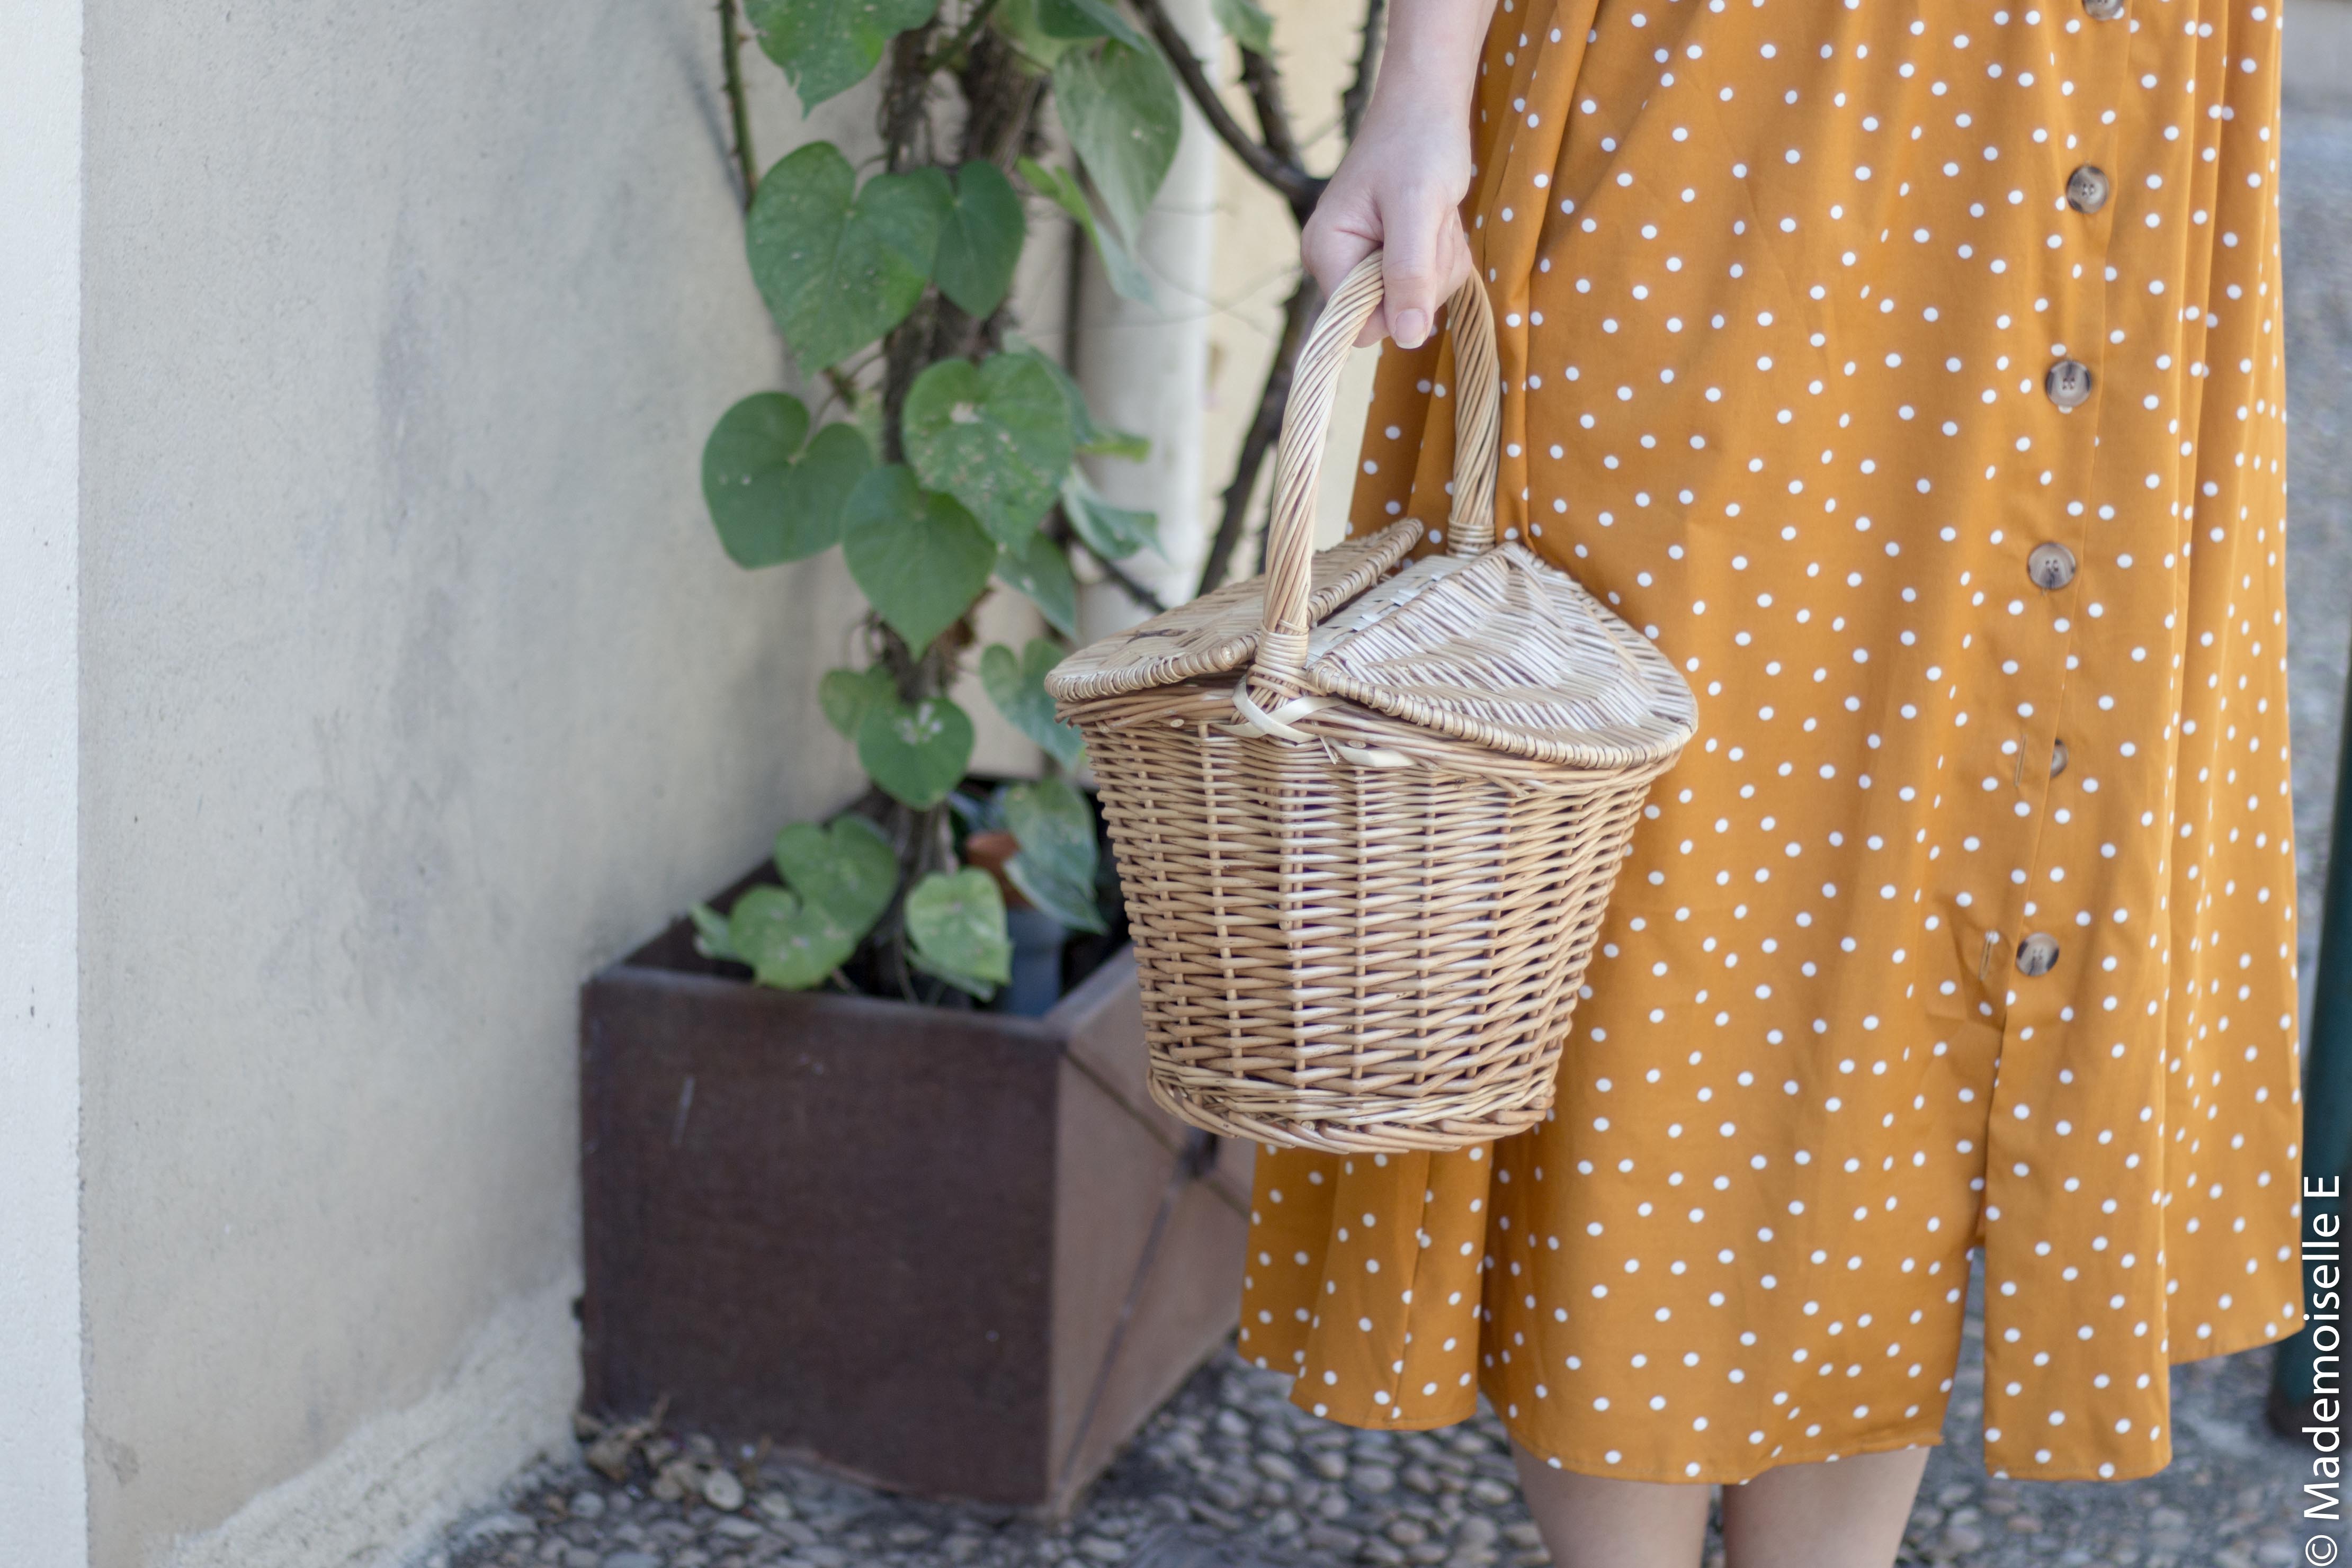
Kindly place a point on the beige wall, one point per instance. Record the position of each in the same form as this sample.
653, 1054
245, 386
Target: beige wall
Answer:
413, 687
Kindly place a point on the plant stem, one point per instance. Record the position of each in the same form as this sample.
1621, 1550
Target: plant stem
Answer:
1143, 597
731, 55
1368, 64
1264, 81
1058, 530
1296, 186
1266, 428
963, 37
905, 116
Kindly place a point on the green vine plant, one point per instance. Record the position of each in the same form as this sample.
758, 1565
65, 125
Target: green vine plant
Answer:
951, 460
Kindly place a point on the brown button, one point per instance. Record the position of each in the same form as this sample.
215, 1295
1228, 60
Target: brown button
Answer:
2050, 566
2037, 955
2102, 10
2068, 384
2057, 757
2087, 188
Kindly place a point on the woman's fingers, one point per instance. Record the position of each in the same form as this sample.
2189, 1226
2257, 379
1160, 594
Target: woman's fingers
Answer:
1415, 261
1343, 230
1372, 205
1332, 245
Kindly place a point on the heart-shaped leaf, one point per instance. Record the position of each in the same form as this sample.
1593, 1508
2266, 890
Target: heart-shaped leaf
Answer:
1244, 24
1015, 683
955, 925
845, 695
789, 944
848, 869
1086, 19
996, 436
980, 240
1088, 436
828, 45
916, 754
1042, 571
1056, 868
918, 555
1121, 109
1016, 21
839, 266
1061, 187
1113, 533
772, 501
712, 938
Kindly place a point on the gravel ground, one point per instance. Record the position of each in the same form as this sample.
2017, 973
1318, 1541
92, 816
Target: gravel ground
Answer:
1230, 1475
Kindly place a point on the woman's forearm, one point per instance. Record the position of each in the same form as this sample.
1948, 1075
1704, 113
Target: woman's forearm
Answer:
1429, 63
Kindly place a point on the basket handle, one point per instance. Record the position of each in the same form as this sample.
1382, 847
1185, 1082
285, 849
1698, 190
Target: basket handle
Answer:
1307, 423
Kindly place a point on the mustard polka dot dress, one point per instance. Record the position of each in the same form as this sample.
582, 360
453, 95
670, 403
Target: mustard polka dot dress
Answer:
1912, 373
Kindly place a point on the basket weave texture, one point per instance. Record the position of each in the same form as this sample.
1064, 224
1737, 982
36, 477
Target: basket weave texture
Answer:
1367, 812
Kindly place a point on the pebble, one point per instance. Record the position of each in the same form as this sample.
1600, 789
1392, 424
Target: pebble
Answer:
497, 1526
1210, 1513
587, 1505
633, 1560
721, 1490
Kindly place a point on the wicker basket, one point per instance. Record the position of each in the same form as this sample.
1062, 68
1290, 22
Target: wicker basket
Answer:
1364, 874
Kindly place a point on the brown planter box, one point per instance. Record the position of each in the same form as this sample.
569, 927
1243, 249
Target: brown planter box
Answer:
899, 1241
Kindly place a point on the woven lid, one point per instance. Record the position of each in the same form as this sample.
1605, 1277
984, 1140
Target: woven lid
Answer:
1486, 645
1506, 651
1219, 630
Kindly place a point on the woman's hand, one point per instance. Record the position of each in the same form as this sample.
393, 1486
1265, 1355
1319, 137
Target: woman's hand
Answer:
1400, 188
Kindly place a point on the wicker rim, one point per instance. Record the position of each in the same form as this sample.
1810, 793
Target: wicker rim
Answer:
1279, 669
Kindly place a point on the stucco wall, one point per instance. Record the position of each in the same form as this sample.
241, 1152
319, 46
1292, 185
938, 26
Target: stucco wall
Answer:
41, 1488
413, 687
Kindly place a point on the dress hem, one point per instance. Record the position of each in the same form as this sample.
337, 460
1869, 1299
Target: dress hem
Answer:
1817, 1453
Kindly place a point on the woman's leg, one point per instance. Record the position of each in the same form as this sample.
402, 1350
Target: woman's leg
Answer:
1589, 1521
1843, 1513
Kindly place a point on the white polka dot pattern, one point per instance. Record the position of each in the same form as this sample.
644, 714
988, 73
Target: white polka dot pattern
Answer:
1972, 917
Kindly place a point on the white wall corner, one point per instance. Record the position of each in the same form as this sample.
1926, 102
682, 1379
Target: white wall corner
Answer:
389, 1489
44, 1489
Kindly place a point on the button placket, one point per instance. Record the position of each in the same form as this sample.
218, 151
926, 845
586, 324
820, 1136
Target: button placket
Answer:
2053, 564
